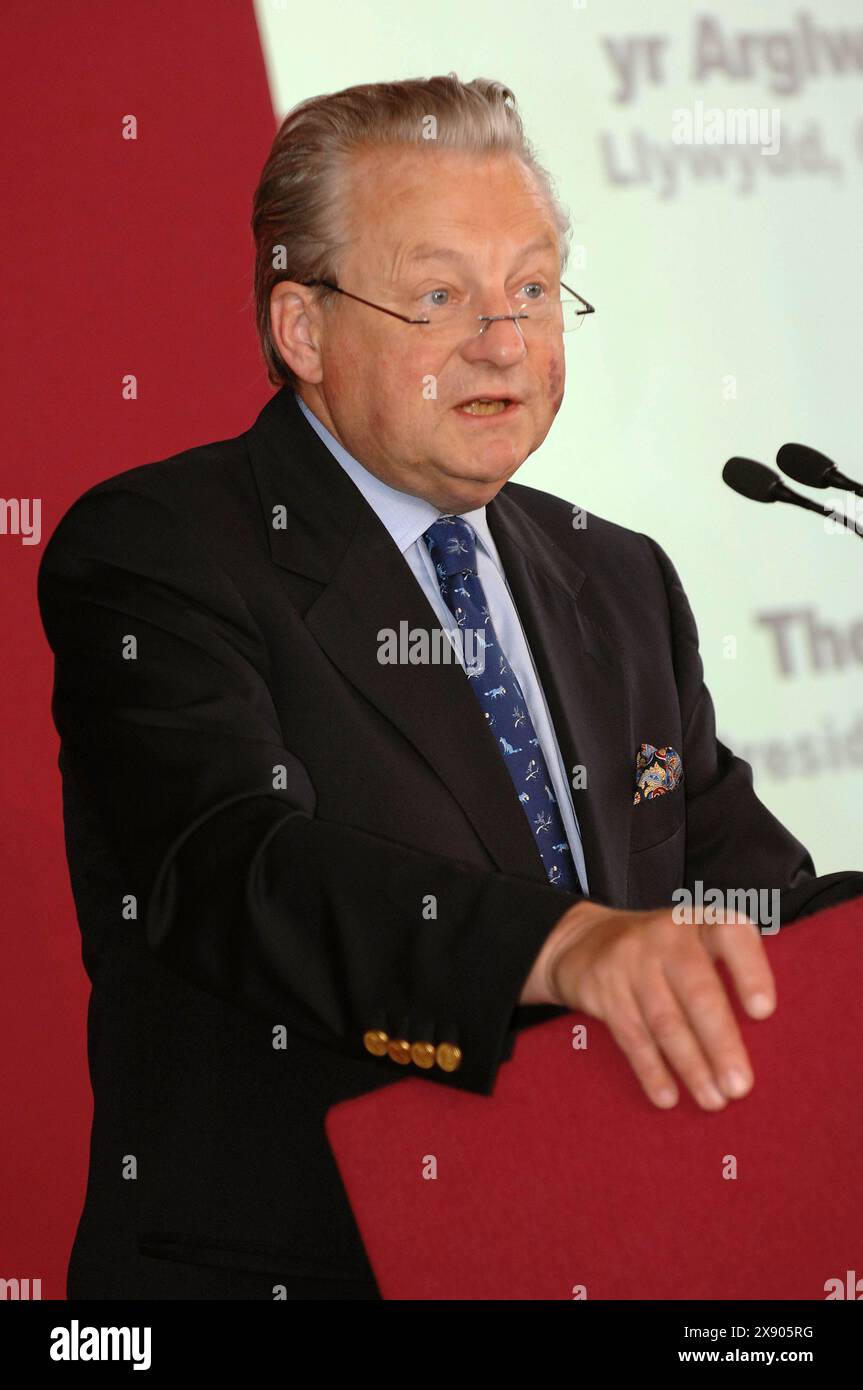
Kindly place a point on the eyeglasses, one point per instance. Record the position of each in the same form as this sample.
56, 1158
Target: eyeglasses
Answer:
457, 320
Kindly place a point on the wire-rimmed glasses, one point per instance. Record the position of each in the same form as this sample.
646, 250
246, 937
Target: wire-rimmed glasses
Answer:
562, 314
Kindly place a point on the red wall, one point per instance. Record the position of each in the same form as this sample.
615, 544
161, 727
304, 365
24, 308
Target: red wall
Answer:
119, 257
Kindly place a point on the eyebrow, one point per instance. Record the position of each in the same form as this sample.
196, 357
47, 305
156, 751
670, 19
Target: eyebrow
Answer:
426, 252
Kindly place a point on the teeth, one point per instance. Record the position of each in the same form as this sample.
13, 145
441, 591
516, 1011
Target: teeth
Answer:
483, 407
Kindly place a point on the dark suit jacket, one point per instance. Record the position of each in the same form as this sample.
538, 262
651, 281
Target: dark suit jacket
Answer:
256, 811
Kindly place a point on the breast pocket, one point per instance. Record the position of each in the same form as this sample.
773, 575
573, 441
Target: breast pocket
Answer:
656, 819
657, 851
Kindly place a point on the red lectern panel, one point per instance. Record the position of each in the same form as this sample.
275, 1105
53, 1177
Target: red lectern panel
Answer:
568, 1176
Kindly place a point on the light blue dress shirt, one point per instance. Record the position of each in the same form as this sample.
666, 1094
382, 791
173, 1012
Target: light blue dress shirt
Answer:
406, 518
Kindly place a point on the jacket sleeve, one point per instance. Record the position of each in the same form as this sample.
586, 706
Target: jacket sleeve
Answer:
168, 728
732, 839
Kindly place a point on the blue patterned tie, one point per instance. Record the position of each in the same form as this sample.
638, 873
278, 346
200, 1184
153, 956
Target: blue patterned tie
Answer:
452, 545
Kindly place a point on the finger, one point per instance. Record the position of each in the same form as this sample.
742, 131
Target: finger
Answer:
628, 1027
740, 945
698, 988
673, 1033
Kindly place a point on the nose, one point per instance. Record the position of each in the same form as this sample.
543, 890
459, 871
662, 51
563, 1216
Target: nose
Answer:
499, 340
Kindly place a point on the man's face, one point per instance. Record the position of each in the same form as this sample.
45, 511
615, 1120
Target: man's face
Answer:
389, 391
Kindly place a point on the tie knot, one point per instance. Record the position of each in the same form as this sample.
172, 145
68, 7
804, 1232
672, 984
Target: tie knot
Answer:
452, 545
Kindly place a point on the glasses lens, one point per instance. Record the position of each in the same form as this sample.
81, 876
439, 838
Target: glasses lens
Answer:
573, 315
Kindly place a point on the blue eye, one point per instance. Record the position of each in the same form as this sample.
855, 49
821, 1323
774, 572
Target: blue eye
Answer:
436, 304
534, 285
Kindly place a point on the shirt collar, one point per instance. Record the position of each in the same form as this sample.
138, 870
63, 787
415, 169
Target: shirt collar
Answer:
405, 516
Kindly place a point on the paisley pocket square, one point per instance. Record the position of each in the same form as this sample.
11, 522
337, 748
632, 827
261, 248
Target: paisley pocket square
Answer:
657, 771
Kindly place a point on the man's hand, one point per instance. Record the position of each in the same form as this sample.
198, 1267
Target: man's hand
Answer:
654, 983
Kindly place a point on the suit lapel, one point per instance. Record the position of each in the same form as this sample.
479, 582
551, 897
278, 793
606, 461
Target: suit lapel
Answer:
333, 536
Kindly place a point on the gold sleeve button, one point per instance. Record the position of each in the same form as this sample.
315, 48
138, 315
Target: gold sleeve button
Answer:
375, 1041
448, 1056
422, 1053
400, 1050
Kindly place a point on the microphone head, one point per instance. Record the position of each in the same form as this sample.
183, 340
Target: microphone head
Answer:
805, 465
752, 479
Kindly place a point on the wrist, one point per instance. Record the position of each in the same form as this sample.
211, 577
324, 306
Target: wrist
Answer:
541, 985
575, 925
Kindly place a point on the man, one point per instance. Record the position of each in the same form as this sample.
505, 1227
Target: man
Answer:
304, 869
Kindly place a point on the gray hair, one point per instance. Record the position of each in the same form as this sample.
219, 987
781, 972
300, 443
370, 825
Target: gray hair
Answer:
299, 219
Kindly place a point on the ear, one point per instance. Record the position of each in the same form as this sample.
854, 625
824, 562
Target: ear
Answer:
295, 326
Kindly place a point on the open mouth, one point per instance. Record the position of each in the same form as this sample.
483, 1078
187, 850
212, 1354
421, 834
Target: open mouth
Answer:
484, 405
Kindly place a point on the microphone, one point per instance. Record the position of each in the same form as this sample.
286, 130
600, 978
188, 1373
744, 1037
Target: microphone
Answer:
813, 469
760, 484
